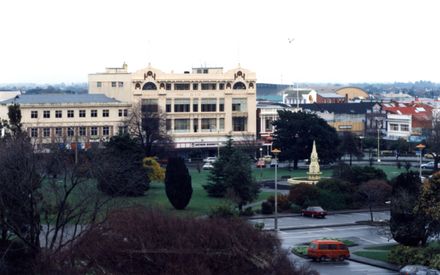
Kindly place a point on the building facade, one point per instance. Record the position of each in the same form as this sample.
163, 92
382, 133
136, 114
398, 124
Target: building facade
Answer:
202, 106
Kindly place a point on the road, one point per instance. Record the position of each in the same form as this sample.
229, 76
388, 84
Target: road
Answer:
326, 228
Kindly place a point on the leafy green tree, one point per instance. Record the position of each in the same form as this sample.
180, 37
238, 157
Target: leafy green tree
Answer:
407, 225
178, 183
14, 114
294, 135
120, 171
239, 181
400, 146
350, 145
358, 174
216, 185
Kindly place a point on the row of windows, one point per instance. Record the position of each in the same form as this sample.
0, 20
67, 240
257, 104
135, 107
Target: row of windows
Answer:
183, 125
70, 131
395, 127
204, 86
114, 84
81, 113
206, 105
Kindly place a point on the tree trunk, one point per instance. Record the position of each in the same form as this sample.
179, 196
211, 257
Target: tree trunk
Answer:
371, 212
351, 157
295, 164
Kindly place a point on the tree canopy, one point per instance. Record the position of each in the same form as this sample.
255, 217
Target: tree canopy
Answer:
295, 132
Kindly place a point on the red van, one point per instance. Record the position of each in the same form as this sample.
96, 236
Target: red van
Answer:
322, 250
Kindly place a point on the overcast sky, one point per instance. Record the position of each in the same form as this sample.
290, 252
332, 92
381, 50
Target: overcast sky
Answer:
52, 41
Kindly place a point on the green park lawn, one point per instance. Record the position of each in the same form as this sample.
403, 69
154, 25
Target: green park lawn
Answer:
379, 252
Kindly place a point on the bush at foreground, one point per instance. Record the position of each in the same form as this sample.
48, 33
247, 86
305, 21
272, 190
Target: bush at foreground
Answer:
143, 241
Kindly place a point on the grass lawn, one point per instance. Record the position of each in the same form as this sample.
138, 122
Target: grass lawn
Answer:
378, 252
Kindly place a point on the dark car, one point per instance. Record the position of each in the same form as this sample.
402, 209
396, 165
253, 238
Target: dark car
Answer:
314, 211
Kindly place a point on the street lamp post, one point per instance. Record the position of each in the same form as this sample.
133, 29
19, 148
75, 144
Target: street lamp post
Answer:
276, 152
420, 147
259, 160
378, 140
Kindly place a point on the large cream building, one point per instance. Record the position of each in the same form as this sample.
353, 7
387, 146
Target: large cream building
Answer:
202, 106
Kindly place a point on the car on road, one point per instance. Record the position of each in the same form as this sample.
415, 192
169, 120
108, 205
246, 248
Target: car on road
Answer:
418, 270
207, 166
428, 165
314, 212
323, 250
261, 163
210, 159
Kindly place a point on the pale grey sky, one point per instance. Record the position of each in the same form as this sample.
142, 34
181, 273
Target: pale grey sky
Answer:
51, 41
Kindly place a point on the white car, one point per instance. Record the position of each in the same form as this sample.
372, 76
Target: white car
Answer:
210, 160
207, 166
429, 165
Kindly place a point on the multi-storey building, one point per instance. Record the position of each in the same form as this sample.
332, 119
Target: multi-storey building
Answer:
63, 118
202, 107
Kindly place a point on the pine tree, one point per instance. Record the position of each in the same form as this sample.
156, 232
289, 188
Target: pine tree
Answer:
178, 183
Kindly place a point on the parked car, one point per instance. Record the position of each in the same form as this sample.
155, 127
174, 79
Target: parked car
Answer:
322, 250
207, 166
314, 211
210, 159
429, 165
261, 163
418, 270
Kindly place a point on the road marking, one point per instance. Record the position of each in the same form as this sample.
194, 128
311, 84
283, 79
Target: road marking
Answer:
366, 240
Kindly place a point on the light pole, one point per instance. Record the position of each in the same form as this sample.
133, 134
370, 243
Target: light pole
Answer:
420, 147
378, 140
259, 162
275, 152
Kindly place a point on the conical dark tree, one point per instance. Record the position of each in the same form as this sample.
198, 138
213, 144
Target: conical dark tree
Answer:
178, 183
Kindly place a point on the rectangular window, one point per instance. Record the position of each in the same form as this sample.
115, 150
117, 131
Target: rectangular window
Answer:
46, 114
105, 113
34, 132
221, 86
58, 132
58, 114
99, 84
82, 113
125, 112
221, 122
209, 86
181, 105
195, 105
122, 130
181, 125
168, 86
94, 113
148, 106
168, 124
239, 105
239, 124
34, 114
196, 125
168, 106
120, 112
268, 123
221, 105
181, 86
404, 127
46, 132
82, 131
105, 131
209, 104
70, 113
113, 84
70, 132
209, 124
394, 127
195, 86
120, 84
94, 131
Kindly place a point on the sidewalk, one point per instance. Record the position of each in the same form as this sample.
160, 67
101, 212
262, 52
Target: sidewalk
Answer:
368, 261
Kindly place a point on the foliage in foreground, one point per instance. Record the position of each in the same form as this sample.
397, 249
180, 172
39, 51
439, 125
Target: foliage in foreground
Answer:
155, 243
404, 255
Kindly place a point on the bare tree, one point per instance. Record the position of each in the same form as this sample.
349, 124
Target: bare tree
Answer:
376, 192
147, 124
433, 140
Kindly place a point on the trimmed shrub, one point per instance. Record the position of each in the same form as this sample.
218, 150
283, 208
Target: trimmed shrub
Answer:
331, 200
282, 201
247, 212
304, 194
178, 183
223, 211
267, 208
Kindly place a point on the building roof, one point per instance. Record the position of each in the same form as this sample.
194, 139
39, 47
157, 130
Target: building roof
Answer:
60, 99
330, 95
339, 108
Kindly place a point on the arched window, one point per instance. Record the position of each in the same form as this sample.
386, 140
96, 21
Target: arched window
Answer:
239, 86
149, 86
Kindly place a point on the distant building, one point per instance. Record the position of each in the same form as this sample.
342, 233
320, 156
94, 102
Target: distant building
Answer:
352, 93
5, 95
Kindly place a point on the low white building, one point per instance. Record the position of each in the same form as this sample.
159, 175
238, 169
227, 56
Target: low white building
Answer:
398, 126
